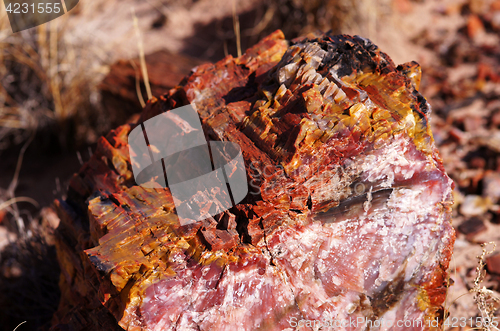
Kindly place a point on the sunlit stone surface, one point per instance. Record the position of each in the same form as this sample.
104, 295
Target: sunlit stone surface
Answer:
347, 220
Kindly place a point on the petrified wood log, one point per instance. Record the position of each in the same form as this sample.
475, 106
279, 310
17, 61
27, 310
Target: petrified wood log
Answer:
347, 220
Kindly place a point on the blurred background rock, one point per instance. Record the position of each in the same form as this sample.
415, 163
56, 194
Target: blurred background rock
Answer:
65, 83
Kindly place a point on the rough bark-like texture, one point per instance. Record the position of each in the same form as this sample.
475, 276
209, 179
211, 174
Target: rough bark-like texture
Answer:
347, 219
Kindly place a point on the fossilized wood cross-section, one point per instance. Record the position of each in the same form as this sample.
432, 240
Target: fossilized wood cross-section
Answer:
347, 216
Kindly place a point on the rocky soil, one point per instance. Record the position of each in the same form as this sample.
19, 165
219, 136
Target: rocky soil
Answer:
456, 43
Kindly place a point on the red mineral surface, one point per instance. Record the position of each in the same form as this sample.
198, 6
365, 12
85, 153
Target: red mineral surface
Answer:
347, 220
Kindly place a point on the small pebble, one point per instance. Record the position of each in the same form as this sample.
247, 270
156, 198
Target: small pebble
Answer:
474, 205
472, 227
491, 185
493, 263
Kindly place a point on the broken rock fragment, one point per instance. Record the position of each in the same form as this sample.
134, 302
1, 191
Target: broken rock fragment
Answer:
347, 219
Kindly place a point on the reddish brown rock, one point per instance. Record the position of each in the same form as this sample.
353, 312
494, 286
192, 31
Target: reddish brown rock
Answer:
474, 26
472, 227
121, 86
347, 219
493, 263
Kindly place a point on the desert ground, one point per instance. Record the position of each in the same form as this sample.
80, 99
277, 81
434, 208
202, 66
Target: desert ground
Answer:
57, 98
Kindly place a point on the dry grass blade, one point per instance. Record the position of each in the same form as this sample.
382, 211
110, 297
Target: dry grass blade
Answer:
263, 23
64, 7
236, 27
16, 200
138, 84
53, 72
142, 56
11, 200
19, 325
13, 183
